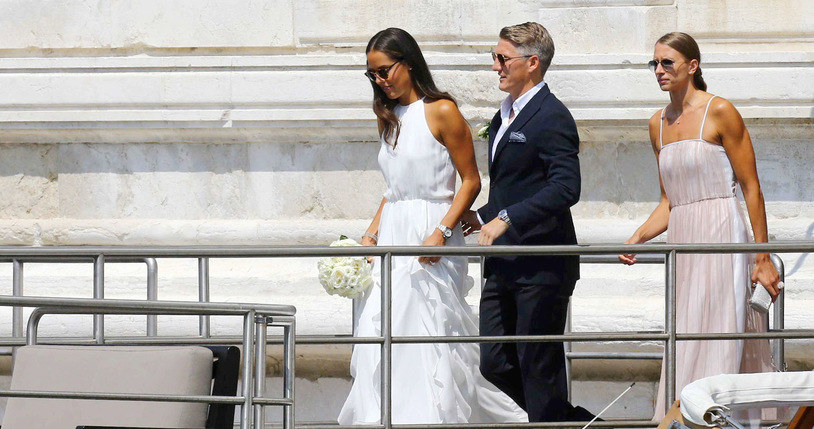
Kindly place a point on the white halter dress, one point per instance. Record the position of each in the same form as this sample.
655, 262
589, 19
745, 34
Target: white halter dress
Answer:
431, 383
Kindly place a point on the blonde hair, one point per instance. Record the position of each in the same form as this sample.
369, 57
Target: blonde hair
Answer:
531, 38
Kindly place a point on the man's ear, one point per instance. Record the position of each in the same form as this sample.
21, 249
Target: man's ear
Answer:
533, 63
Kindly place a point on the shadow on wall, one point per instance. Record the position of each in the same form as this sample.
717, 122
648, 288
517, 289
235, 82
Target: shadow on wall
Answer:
627, 171
617, 173
81, 158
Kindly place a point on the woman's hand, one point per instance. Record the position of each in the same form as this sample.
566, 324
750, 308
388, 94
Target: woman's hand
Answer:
367, 240
766, 274
629, 259
435, 239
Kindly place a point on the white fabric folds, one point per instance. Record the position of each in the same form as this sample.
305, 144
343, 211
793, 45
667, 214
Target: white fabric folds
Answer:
701, 399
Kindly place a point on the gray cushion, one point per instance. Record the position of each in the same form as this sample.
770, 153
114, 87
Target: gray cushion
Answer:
157, 370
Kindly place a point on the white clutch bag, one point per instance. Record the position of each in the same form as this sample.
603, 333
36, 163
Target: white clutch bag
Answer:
761, 299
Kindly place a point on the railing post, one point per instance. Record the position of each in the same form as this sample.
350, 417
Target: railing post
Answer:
387, 345
567, 349
248, 358
779, 349
670, 328
99, 293
17, 290
152, 294
289, 356
482, 268
260, 334
33, 326
203, 295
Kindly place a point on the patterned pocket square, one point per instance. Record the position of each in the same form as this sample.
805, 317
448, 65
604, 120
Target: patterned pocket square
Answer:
516, 136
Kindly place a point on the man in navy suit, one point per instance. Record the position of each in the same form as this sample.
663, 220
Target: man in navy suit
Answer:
534, 181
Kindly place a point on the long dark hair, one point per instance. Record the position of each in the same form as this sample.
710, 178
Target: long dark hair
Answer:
401, 46
686, 46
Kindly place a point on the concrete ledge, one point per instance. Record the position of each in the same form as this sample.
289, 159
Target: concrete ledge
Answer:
333, 361
138, 232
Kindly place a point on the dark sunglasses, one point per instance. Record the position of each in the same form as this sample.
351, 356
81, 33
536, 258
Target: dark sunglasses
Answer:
383, 72
502, 58
666, 63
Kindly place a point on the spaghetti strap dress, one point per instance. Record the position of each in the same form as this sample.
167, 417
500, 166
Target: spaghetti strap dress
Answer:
712, 290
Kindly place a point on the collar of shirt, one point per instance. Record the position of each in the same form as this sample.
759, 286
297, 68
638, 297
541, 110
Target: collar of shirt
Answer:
518, 104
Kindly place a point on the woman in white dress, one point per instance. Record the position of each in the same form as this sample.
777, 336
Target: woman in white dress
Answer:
424, 142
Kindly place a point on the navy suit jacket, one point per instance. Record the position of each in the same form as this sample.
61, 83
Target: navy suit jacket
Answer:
535, 176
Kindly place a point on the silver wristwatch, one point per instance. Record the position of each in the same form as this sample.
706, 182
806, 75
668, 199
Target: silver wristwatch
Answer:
445, 232
504, 216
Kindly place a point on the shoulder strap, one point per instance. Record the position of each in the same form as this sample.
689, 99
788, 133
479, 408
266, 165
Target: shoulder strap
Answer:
661, 127
704, 121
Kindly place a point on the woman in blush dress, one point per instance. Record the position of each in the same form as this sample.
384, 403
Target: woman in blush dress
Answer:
425, 142
704, 153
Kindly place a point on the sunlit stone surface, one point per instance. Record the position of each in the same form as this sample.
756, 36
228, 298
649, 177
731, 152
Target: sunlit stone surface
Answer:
248, 122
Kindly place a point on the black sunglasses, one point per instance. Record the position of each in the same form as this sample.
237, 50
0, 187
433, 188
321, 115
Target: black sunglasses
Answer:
382, 72
502, 58
666, 63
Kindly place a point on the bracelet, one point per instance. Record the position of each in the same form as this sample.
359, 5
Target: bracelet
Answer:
373, 236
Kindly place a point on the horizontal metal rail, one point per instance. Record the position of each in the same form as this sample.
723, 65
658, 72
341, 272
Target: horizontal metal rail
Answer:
235, 400
794, 334
321, 251
130, 306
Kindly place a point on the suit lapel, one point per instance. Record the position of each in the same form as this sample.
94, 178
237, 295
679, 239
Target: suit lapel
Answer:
493, 127
525, 114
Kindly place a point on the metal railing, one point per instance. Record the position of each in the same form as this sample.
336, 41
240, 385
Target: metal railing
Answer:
778, 319
98, 286
669, 335
256, 319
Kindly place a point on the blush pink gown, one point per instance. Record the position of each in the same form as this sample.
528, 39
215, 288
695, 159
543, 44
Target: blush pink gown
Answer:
712, 290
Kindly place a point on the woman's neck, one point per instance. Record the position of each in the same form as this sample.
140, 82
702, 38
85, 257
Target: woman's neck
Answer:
683, 98
409, 97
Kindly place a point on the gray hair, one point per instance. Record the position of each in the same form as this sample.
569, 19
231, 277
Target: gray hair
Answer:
531, 38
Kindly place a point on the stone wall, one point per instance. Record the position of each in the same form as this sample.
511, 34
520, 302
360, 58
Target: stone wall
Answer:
249, 122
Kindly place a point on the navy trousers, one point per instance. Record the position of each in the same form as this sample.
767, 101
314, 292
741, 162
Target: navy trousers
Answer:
532, 374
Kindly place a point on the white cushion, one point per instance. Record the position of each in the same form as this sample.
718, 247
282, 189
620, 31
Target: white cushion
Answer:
104, 369
717, 394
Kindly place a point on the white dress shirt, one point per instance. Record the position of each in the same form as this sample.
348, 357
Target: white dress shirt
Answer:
507, 106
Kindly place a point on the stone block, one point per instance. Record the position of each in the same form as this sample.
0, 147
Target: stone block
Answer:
354, 22
29, 181
599, 30
191, 24
746, 22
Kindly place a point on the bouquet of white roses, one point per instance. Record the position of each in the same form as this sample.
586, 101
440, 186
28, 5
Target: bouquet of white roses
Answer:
347, 276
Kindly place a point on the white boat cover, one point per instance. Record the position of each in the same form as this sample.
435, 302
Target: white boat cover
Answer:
717, 394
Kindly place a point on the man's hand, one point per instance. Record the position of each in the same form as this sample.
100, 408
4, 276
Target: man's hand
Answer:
491, 231
470, 222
